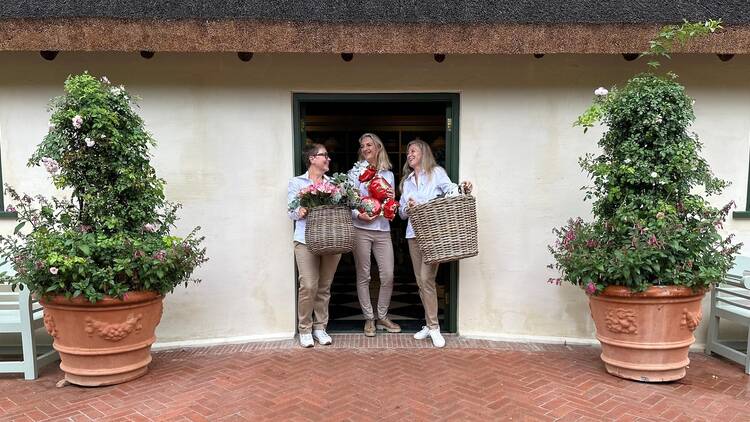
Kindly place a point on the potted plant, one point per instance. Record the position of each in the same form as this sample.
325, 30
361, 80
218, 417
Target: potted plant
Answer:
102, 260
654, 246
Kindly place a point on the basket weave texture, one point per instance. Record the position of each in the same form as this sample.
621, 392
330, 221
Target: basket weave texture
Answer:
328, 230
446, 228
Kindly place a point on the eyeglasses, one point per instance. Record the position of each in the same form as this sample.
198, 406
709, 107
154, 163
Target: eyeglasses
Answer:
323, 154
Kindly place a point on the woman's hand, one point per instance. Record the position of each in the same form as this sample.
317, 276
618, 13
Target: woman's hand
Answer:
467, 186
411, 203
391, 194
366, 217
302, 213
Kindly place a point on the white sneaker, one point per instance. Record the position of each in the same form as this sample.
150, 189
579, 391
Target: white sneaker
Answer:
422, 334
322, 337
306, 340
437, 338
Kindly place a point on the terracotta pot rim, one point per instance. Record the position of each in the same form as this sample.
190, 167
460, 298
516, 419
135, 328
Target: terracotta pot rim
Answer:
128, 298
653, 291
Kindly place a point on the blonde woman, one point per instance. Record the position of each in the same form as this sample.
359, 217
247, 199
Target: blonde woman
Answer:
372, 236
424, 180
315, 272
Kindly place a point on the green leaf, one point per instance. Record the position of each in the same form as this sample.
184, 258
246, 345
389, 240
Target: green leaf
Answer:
19, 227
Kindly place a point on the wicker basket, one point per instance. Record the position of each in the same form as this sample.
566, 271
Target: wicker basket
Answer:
446, 228
328, 230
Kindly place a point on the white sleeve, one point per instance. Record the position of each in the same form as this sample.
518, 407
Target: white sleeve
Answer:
443, 182
291, 193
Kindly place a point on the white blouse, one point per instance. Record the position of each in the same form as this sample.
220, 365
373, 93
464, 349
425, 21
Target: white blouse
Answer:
380, 224
430, 186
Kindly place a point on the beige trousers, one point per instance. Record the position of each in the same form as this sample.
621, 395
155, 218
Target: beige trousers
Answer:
425, 275
379, 243
315, 278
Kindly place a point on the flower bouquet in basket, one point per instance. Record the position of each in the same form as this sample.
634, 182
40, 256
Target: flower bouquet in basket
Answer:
380, 200
328, 230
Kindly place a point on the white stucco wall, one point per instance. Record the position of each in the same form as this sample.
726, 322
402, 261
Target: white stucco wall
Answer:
224, 129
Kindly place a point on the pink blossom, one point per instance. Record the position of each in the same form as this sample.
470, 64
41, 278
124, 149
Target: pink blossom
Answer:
51, 165
77, 121
10, 208
590, 288
161, 255
151, 228
53, 270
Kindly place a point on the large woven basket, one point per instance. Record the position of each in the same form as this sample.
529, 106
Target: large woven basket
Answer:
446, 228
328, 230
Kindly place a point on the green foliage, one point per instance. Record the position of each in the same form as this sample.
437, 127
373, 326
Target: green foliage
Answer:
112, 236
681, 34
650, 227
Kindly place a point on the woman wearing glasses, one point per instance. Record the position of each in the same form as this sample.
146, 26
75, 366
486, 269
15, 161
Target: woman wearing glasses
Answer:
372, 236
315, 272
424, 180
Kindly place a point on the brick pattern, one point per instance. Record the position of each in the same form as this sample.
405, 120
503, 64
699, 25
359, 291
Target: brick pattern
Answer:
390, 377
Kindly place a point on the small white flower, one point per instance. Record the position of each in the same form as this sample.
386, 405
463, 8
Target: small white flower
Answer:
601, 91
103, 136
53, 270
115, 90
658, 119
105, 80
654, 174
89, 142
689, 215
77, 121
627, 161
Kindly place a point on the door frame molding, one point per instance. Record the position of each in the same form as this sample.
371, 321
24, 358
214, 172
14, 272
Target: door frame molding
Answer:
452, 101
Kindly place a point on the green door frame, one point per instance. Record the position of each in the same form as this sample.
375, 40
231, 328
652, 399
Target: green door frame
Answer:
452, 101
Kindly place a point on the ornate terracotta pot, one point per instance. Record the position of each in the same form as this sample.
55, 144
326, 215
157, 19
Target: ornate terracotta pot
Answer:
103, 343
645, 336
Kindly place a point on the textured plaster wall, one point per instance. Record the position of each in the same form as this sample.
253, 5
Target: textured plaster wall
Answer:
224, 129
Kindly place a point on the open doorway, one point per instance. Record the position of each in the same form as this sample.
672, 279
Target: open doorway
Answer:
337, 121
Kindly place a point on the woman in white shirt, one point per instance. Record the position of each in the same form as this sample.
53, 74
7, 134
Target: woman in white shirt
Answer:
372, 235
424, 180
315, 272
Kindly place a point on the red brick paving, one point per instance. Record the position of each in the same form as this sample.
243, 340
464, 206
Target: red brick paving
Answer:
391, 377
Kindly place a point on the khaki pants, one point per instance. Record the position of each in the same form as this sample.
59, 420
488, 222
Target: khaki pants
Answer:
315, 278
425, 275
379, 243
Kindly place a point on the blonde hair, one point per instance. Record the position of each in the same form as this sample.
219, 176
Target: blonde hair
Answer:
427, 163
382, 162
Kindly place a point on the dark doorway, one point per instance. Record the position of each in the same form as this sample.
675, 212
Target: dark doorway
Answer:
337, 121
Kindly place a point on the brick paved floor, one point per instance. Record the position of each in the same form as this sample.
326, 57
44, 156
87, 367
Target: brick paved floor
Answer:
387, 378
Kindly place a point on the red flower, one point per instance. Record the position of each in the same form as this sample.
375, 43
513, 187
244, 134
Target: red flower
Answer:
390, 208
379, 189
368, 174
370, 206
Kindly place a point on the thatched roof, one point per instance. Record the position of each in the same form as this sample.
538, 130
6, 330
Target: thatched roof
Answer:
363, 26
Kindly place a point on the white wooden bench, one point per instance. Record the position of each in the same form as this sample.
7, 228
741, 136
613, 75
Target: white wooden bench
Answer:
731, 301
20, 313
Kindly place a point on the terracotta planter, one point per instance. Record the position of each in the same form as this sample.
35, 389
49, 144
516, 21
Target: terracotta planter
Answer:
645, 336
103, 343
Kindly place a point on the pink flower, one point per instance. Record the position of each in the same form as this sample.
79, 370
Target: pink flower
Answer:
51, 165
77, 121
53, 270
10, 208
161, 255
590, 288
149, 228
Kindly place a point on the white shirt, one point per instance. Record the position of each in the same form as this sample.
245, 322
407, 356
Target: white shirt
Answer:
381, 223
296, 184
429, 188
